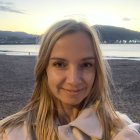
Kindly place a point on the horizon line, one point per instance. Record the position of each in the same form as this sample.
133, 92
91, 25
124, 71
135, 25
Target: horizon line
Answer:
91, 26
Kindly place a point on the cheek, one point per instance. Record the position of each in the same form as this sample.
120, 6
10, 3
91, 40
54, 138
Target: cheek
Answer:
89, 77
54, 78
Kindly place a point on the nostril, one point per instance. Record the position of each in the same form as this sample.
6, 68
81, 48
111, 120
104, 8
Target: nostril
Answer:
74, 76
74, 80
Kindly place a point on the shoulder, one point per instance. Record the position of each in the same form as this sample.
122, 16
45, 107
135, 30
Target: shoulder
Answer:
130, 131
16, 133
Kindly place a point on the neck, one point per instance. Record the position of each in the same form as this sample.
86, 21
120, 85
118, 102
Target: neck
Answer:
67, 113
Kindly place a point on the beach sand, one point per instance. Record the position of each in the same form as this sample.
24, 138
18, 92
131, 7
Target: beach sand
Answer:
17, 83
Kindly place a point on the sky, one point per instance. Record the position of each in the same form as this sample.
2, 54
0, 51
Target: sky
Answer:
35, 16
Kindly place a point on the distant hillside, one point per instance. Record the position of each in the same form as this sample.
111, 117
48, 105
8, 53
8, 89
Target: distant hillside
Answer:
107, 34
111, 34
9, 37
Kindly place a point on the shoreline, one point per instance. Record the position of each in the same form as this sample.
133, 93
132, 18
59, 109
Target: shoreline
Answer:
17, 83
16, 53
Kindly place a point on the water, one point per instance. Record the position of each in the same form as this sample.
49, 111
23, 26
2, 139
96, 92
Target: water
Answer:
121, 50
111, 51
19, 49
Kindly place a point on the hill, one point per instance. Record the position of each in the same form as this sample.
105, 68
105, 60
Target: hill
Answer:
111, 34
9, 37
107, 34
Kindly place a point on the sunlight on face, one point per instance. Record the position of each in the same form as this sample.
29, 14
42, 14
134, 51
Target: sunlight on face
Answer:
71, 68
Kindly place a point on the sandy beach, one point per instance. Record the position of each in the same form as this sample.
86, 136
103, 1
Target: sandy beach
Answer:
17, 83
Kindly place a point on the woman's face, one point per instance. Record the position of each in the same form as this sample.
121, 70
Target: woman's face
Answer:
71, 68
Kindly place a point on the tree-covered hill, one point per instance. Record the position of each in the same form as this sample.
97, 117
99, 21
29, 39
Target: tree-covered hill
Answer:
107, 34
9, 37
111, 34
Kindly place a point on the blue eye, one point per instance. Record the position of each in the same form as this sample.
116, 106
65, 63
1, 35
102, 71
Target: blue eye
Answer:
59, 64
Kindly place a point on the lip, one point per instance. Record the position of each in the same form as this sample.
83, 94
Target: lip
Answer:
74, 91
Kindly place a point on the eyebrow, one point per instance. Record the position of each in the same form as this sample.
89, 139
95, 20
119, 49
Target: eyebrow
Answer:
88, 58
83, 59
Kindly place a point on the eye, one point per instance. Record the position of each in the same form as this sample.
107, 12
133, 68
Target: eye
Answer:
59, 64
87, 65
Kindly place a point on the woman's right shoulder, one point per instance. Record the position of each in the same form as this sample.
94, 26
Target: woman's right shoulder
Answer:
15, 133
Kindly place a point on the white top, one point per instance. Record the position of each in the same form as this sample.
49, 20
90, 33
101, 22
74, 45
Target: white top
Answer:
85, 127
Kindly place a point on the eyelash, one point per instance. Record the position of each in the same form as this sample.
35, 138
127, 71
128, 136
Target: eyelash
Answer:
63, 65
87, 65
59, 64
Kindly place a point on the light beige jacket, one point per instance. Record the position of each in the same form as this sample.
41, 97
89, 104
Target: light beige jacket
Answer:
85, 127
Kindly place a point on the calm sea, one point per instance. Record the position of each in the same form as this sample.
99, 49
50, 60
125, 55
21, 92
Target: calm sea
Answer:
117, 51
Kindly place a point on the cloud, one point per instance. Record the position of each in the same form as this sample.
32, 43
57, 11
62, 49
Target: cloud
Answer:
130, 19
127, 19
6, 3
7, 7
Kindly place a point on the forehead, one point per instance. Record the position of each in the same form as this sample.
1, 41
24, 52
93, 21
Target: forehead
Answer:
73, 45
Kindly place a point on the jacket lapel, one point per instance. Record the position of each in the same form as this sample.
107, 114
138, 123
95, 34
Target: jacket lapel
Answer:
87, 122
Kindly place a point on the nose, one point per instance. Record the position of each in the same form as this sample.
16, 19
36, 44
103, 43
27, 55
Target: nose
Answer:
74, 76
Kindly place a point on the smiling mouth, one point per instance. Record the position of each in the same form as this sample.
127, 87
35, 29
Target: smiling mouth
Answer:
73, 91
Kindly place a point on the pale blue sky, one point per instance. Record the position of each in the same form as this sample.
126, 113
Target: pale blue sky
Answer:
34, 16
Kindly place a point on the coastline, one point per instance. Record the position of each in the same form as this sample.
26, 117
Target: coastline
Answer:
17, 83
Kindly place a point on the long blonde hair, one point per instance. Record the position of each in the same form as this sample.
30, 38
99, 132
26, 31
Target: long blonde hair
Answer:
40, 112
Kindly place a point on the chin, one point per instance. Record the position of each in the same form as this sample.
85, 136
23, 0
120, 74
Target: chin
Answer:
72, 103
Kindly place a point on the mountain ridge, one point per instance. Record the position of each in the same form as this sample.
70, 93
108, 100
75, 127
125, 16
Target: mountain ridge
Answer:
112, 34
12, 37
107, 34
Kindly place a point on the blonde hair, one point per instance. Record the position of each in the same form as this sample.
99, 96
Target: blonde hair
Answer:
41, 107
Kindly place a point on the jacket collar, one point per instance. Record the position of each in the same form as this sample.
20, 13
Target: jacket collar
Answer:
88, 123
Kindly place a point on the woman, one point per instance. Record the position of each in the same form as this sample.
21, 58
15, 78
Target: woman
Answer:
71, 95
